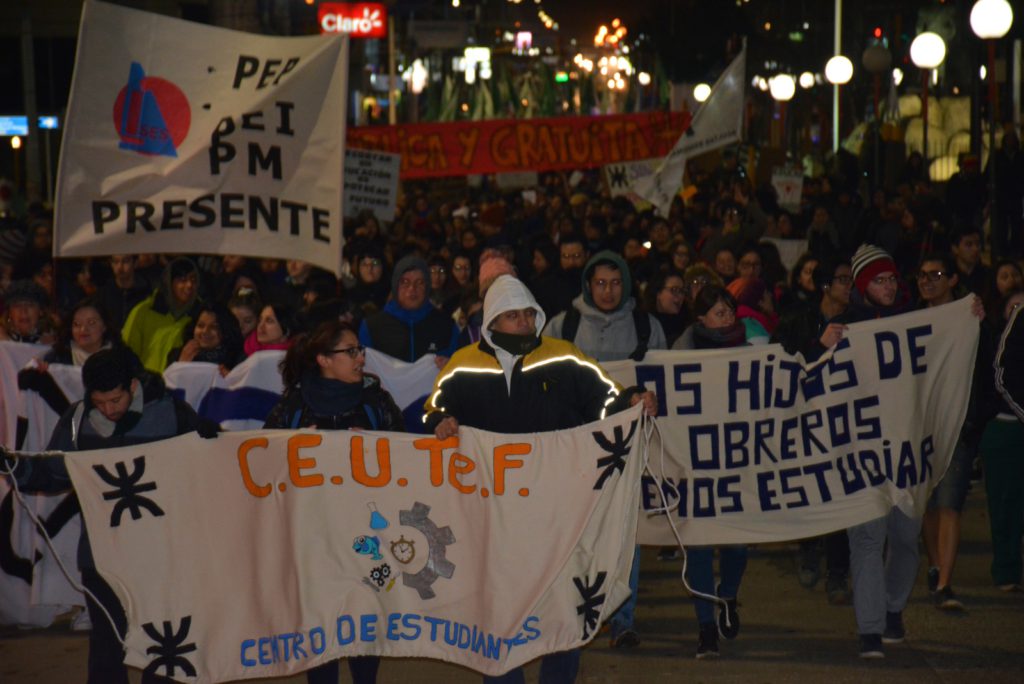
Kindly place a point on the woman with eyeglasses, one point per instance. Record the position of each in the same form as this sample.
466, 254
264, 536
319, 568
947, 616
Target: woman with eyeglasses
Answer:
811, 327
665, 299
327, 389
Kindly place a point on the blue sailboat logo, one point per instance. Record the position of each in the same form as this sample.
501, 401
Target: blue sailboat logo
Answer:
142, 127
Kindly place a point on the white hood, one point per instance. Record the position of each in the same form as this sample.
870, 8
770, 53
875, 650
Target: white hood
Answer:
507, 294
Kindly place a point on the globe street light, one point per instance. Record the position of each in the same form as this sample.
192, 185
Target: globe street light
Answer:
990, 21
701, 92
838, 71
782, 88
927, 52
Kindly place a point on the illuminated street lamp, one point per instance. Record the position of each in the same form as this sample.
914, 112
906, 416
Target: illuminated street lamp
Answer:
990, 21
782, 88
927, 52
701, 92
838, 72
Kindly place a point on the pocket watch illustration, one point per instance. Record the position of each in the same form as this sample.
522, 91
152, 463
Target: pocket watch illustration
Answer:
403, 550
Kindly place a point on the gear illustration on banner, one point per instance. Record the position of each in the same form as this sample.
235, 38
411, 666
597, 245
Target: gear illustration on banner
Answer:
438, 539
404, 550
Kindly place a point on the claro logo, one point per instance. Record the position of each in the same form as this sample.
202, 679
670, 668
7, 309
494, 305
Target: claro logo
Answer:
359, 20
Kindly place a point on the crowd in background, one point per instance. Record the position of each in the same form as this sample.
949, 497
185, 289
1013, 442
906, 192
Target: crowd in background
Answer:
709, 274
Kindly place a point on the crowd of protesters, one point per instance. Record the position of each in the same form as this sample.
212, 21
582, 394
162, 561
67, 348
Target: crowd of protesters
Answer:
616, 281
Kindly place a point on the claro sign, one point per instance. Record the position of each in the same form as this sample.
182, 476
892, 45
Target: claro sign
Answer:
358, 19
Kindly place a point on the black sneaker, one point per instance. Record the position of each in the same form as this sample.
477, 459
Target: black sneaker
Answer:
945, 599
837, 590
732, 630
809, 571
628, 639
669, 553
871, 646
894, 632
707, 643
933, 580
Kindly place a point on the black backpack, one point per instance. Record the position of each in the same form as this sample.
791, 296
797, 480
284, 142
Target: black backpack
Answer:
641, 321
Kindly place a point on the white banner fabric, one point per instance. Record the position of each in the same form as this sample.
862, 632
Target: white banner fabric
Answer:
265, 553
718, 122
758, 447
183, 137
13, 357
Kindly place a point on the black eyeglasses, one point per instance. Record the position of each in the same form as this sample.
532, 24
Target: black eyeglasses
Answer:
353, 352
931, 276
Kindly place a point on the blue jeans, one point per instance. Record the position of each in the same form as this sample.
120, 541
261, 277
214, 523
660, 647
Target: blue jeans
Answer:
556, 668
622, 620
700, 571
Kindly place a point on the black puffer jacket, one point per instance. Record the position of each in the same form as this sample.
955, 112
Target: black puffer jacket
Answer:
376, 411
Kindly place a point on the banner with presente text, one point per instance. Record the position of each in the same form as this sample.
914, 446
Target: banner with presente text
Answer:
507, 145
265, 553
188, 138
755, 446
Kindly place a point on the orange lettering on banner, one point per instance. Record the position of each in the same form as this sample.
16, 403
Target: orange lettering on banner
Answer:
503, 154
526, 140
613, 129
460, 465
417, 157
596, 145
502, 462
636, 145
436, 449
560, 133
359, 473
297, 464
544, 141
578, 146
244, 448
438, 158
468, 140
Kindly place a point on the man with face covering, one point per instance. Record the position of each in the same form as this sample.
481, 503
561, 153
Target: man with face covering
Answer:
603, 320
544, 384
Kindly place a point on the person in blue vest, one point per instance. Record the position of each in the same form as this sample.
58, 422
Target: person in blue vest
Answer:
326, 389
410, 326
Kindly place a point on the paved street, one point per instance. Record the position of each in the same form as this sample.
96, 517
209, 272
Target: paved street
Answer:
789, 634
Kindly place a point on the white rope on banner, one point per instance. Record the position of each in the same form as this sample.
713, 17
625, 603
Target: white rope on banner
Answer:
650, 426
9, 460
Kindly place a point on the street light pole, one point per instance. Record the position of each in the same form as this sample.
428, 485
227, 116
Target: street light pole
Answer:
990, 21
927, 52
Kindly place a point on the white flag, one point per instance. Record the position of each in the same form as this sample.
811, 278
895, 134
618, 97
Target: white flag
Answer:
718, 122
189, 138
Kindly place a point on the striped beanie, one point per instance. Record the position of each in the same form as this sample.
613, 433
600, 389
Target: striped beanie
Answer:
870, 261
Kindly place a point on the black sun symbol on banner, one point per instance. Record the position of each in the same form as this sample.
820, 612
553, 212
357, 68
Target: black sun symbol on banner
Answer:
617, 452
590, 609
170, 649
128, 490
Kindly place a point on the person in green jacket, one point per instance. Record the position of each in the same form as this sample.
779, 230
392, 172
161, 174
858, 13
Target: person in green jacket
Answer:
157, 324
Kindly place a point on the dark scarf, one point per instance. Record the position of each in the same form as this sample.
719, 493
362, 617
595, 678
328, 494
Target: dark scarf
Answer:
719, 338
327, 397
516, 345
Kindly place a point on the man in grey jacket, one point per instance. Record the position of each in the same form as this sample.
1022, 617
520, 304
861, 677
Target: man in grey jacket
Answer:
604, 321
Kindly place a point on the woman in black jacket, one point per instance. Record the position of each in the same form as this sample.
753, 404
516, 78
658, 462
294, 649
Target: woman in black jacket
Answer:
327, 389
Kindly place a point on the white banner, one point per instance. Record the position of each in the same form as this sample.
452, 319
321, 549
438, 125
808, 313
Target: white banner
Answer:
760, 448
183, 137
371, 182
718, 122
262, 554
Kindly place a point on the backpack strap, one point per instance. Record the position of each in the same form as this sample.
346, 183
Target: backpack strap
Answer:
642, 323
571, 324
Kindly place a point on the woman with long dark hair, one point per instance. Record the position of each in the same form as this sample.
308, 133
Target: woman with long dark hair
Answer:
277, 325
327, 389
214, 337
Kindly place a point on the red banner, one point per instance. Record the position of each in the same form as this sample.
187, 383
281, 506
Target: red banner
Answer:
468, 147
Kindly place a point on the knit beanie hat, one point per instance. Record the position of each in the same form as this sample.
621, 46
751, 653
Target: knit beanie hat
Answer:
492, 266
406, 264
870, 261
747, 291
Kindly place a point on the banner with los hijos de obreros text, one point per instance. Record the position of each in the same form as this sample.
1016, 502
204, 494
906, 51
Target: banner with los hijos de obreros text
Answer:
264, 553
755, 446
187, 138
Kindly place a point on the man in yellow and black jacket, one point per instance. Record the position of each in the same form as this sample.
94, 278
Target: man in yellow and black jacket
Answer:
515, 381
